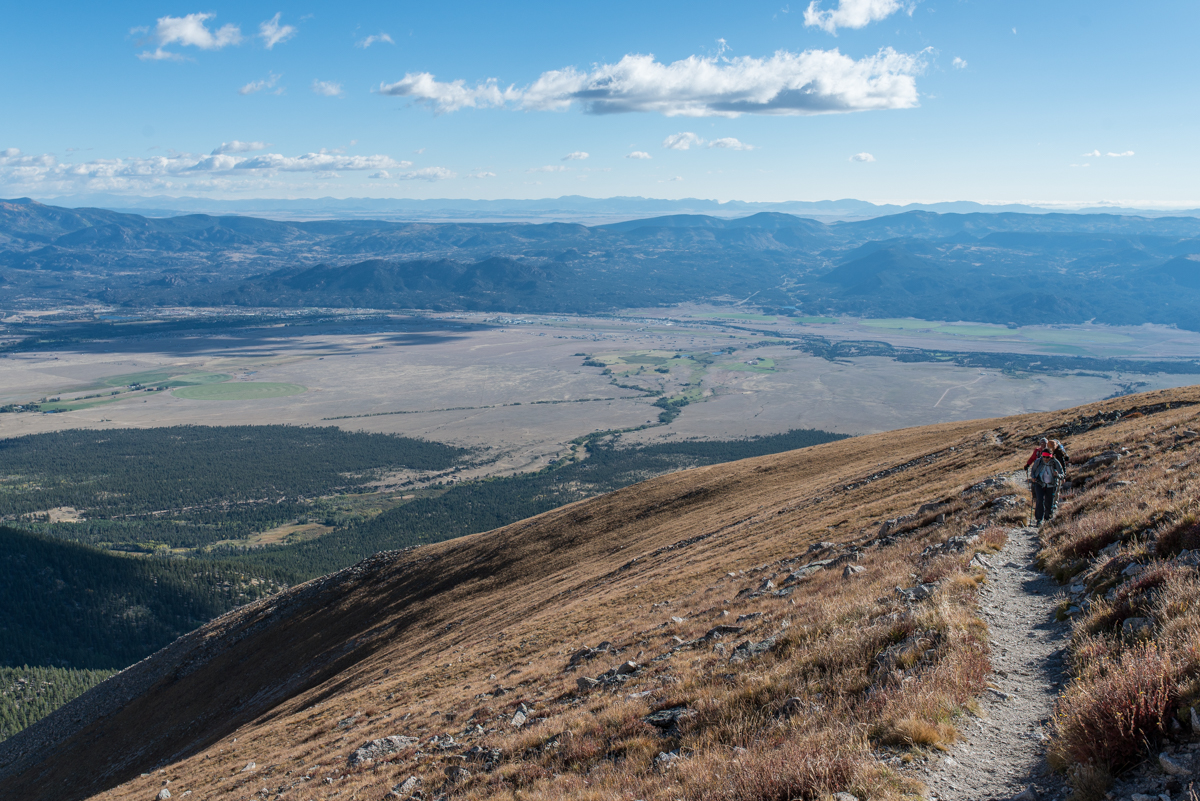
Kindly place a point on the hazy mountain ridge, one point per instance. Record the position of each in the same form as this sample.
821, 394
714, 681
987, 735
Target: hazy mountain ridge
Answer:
993, 267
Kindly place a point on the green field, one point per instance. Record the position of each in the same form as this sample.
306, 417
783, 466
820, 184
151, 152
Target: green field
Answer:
241, 390
816, 320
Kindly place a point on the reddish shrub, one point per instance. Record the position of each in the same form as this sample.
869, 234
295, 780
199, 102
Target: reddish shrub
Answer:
1109, 716
1184, 536
796, 770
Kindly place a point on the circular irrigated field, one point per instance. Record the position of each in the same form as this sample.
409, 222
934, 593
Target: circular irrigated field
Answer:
239, 390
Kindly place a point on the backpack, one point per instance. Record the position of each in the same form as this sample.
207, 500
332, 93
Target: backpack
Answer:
1043, 472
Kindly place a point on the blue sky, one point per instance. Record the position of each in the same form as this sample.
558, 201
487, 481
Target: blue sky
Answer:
881, 100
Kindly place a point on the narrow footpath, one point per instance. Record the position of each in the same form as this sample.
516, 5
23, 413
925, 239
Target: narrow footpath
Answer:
1001, 755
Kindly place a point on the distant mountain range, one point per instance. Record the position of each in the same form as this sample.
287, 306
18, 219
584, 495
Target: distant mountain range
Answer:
569, 207
995, 267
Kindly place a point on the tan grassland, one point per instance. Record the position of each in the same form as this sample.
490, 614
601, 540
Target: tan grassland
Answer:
833, 687
460, 381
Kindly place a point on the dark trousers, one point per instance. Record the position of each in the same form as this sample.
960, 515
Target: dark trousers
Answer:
1045, 500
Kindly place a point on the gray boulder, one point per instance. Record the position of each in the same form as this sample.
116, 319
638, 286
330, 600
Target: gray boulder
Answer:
378, 749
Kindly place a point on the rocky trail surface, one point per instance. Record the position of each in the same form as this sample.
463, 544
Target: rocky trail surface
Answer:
1002, 753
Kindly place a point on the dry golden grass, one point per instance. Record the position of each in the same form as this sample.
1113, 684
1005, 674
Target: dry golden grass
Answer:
451, 640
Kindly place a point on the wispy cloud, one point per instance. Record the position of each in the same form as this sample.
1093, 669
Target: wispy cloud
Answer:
481, 174
862, 157
682, 141
272, 33
258, 86
238, 147
187, 31
327, 88
958, 63
729, 143
638, 154
548, 168
1093, 154
380, 174
851, 13
811, 82
374, 39
1119, 155
578, 155
428, 174
671, 180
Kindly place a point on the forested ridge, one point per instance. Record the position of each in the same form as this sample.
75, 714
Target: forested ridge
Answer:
483, 505
28, 694
188, 486
71, 605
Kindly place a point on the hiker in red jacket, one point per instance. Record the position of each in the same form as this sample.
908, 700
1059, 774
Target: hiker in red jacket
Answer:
1055, 447
1045, 475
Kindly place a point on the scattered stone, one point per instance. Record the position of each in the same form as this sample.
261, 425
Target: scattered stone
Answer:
820, 546
917, 593
1137, 627
519, 719
929, 507
751, 649
1078, 589
1133, 569
844, 797
584, 683
676, 619
766, 586
249, 767
850, 571
1007, 502
585, 653
163, 794
1028, 794
1110, 550
1190, 558
1171, 766
979, 560
378, 749
457, 773
667, 719
626, 668
1109, 457
407, 787
666, 759
720, 631
748, 616
1000, 694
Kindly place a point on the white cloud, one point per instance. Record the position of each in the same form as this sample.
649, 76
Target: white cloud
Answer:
1119, 155
272, 33
729, 143
327, 88
258, 86
481, 174
189, 31
578, 155
548, 168
428, 174
811, 82
1093, 154
682, 141
958, 63
638, 154
380, 174
862, 157
373, 38
851, 13
238, 147
1081, 165
447, 96
671, 180
316, 162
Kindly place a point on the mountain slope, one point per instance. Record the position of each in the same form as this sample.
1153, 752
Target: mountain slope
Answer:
448, 639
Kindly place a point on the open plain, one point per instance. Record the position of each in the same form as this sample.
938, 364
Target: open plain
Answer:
518, 386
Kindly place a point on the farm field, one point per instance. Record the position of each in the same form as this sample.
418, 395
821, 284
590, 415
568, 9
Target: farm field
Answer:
519, 388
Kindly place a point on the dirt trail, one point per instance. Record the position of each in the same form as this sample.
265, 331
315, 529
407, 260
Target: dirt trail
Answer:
1003, 753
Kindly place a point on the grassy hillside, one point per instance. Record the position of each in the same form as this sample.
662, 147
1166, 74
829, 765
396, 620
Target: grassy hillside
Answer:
824, 680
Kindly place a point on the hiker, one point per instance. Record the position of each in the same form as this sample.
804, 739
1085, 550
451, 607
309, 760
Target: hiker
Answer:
1055, 447
1045, 475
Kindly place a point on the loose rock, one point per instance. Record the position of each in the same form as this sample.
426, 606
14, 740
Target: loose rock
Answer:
378, 749
1171, 766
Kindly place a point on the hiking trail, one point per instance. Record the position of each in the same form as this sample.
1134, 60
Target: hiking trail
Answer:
1001, 754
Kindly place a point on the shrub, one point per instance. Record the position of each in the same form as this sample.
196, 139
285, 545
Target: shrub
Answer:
1115, 709
1184, 536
